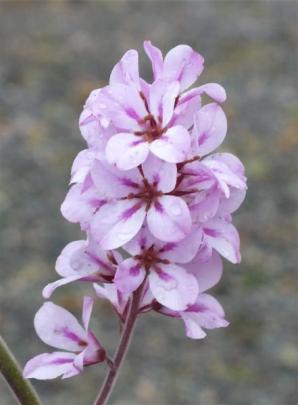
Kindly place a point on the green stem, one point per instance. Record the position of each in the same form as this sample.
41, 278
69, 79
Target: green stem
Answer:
12, 373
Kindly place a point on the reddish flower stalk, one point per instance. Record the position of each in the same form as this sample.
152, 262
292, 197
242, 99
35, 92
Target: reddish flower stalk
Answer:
122, 349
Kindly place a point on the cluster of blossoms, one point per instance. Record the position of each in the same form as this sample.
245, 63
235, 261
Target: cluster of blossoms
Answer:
155, 205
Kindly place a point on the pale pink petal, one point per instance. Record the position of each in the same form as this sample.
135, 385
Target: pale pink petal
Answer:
126, 151
173, 287
183, 251
169, 101
173, 213
123, 105
129, 275
155, 55
63, 263
113, 183
223, 237
142, 241
93, 129
185, 111
80, 205
160, 173
213, 90
78, 363
192, 326
208, 312
208, 273
225, 175
112, 294
57, 327
162, 98
210, 128
182, 63
231, 204
47, 366
94, 353
173, 146
51, 287
118, 222
205, 205
81, 165
87, 311
197, 176
126, 71
233, 163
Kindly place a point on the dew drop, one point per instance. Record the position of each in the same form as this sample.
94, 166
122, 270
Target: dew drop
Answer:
104, 122
123, 235
176, 209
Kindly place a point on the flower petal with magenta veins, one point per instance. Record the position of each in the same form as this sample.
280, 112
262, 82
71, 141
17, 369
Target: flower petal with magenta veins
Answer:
47, 366
155, 56
172, 212
173, 146
160, 173
57, 327
126, 151
182, 63
173, 287
210, 128
129, 275
223, 237
117, 223
126, 71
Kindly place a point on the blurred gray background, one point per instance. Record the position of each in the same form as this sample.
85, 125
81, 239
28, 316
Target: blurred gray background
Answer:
52, 55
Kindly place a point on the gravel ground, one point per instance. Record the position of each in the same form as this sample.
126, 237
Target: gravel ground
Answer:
52, 55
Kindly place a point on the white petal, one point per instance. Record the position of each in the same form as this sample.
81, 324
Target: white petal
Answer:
173, 287
126, 151
57, 327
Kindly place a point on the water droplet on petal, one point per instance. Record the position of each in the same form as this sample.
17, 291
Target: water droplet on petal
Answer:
123, 235
176, 209
104, 122
76, 265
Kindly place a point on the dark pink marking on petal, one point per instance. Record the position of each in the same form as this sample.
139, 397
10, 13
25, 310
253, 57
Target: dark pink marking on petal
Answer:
127, 182
196, 308
61, 361
134, 271
164, 276
158, 207
72, 336
203, 138
167, 247
212, 232
131, 211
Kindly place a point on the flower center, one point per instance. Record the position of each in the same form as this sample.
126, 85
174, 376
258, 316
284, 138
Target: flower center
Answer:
149, 258
152, 128
147, 192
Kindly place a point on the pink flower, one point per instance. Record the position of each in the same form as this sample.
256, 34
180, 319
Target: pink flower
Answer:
83, 260
206, 312
170, 284
110, 292
149, 117
59, 328
135, 195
